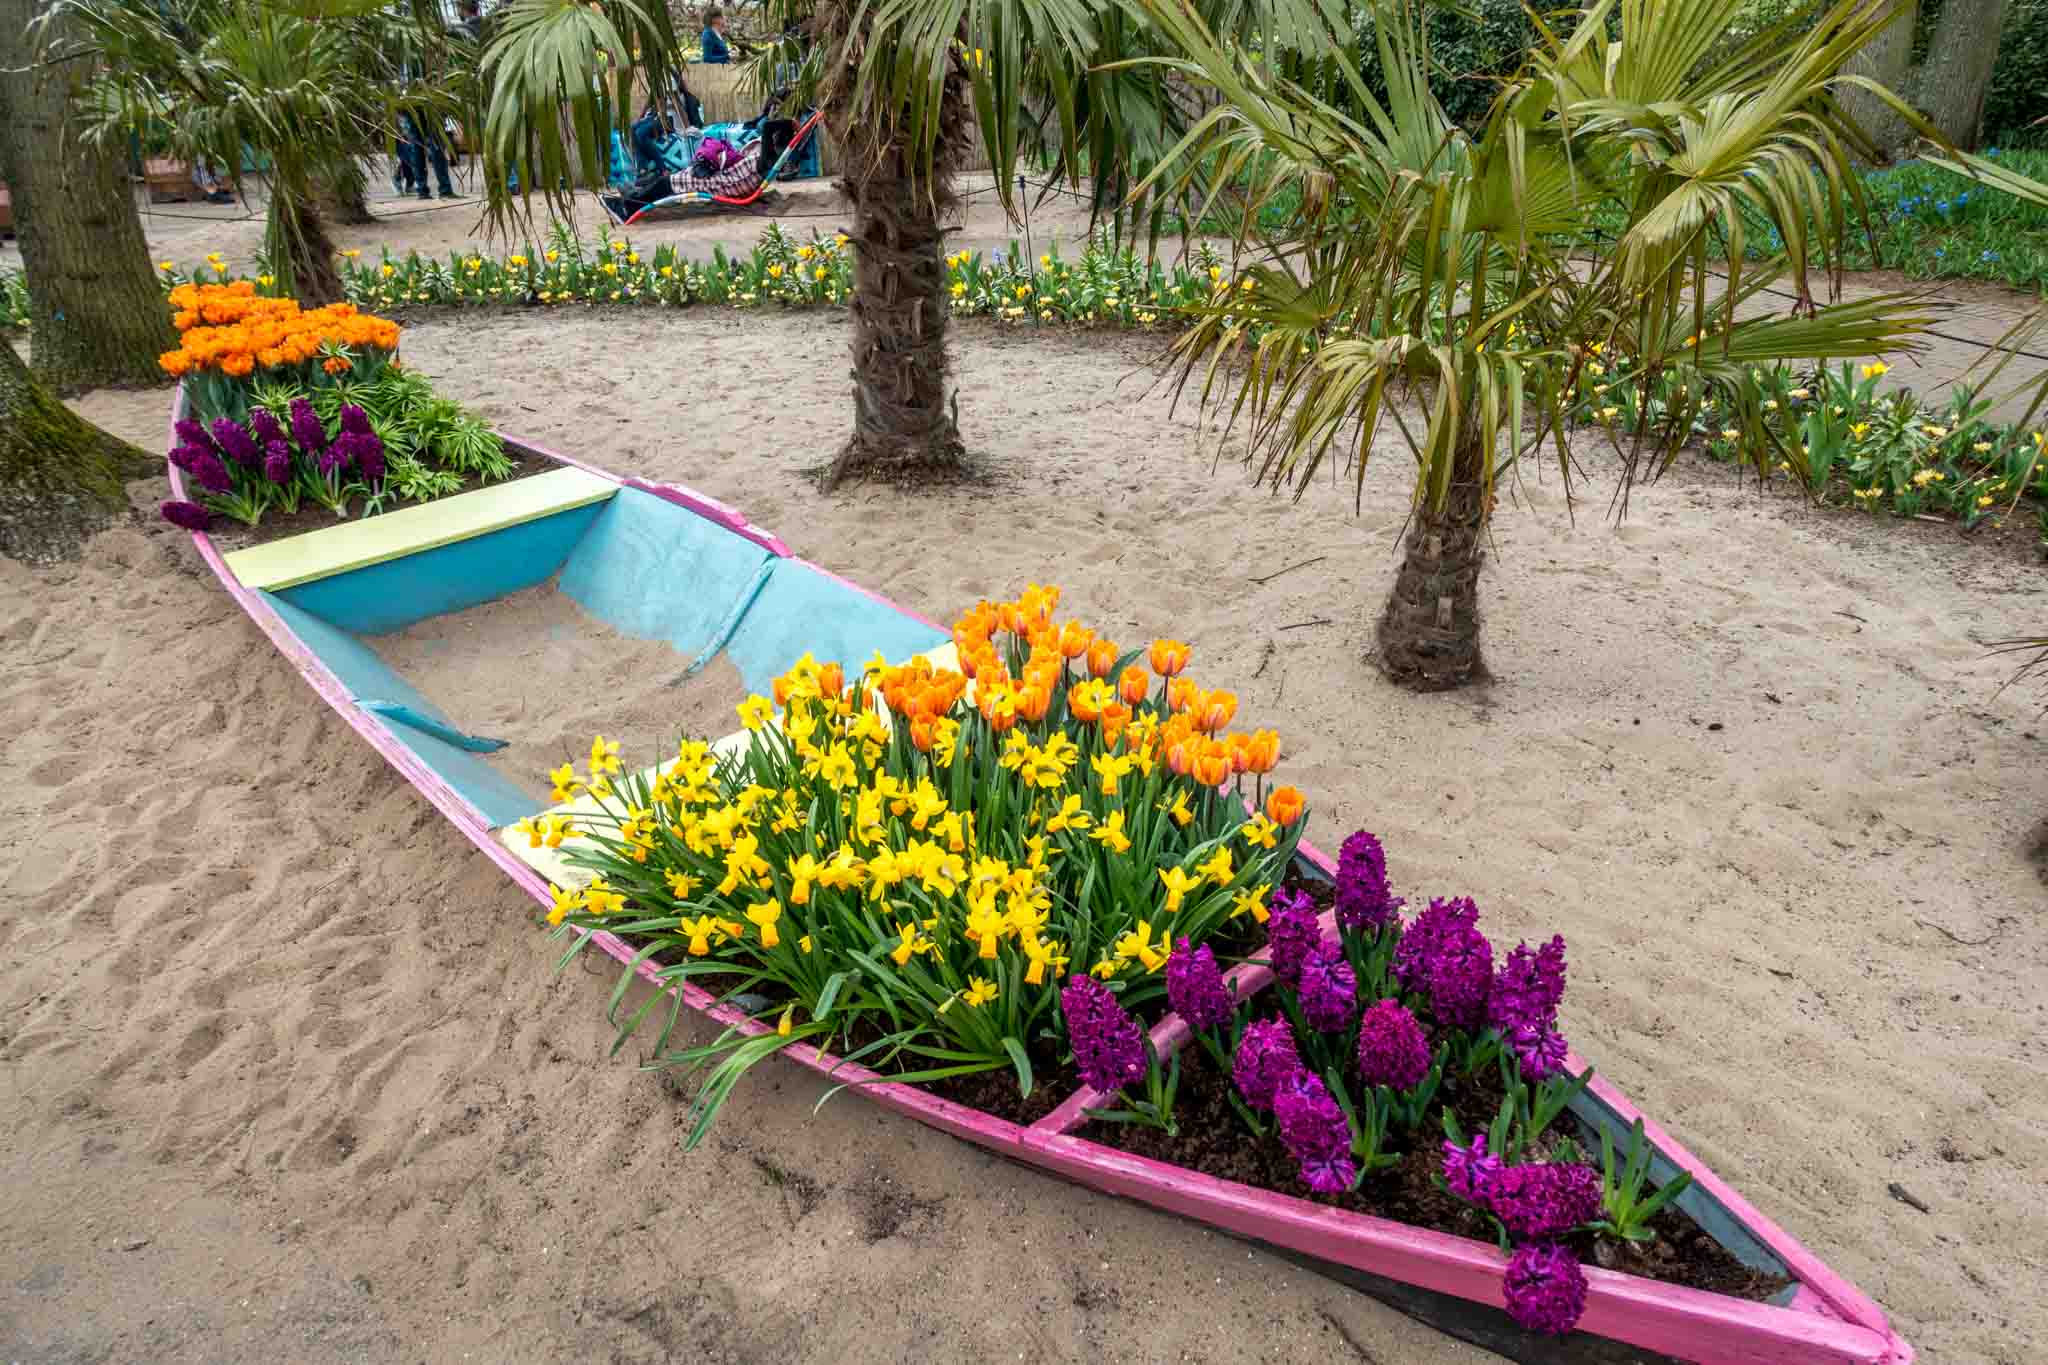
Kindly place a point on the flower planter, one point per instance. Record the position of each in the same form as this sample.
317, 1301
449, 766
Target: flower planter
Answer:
1451, 1282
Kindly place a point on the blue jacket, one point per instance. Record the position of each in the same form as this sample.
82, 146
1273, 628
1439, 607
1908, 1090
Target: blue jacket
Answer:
715, 50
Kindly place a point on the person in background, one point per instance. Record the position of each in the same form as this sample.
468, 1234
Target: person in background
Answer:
419, 142
716, 51
472, 19
210, 184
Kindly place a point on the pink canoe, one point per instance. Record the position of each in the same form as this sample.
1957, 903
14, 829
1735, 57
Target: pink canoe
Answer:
322, 596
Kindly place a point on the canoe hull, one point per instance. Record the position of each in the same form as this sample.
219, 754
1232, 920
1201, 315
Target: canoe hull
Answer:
1452, 1283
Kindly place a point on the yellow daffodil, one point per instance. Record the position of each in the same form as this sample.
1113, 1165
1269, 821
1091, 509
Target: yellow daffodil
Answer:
1110, 769
782, 1025
1110, 833
566, 902
756, 712
604, 756
912, 943
1260, 832
1070, 816
1219, 867
600, 899
700, 931
1178, 884
1137, 946
1252, 902
763, 917
680, 884
803, 945
1042, 955
1179, 809
980, 991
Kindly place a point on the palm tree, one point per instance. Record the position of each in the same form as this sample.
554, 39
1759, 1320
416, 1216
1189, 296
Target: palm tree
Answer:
306, 86
1433, 265
902, 84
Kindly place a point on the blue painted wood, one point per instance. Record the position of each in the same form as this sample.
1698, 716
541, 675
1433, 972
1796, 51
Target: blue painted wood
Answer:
365, 675
381, 598
405, 715
656, 571
800, 609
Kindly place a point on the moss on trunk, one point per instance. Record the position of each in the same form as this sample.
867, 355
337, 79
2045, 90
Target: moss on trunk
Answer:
61, 477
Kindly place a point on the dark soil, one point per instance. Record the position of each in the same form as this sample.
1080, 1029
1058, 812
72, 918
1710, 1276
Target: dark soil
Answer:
229, 535
995, 1092
1213, 1141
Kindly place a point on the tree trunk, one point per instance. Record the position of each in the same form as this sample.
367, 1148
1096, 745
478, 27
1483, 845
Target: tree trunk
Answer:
1888, 60
61, 477
1958, 69
296, 241
344, 192
904, 425
1429, 633
95, 305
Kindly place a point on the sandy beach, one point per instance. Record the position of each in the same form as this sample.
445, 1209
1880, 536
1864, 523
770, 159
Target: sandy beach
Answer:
287, 1072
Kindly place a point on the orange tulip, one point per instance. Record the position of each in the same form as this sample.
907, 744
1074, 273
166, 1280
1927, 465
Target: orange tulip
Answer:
1033, 702
1213, 710
1212, 763
1006, 617
831, 680
1115, 716
1181, 755
1169, 657
1262, 752
1134, 685
1181, 693
921, 731
1101, 657
1284, 805
1075, 639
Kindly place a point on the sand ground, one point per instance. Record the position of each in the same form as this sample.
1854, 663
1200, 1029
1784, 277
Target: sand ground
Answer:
288, 1072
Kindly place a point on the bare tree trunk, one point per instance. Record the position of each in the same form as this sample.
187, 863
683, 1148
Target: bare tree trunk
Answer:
60, 477
903, 417
1888, 60
1429, 632
295, 238
1958, 70
95, 306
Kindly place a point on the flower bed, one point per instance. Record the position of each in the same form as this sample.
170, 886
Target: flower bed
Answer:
1058, 856
296, 411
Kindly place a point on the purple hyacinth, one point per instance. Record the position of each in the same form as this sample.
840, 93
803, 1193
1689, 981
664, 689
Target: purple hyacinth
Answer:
211, 474
1470, 1169
277, 461
236, 443
1291, 931
189, 515
307, 429
191, 433
1545, 1288
369, 453
1194, 987
1265, 1058
1541, 1201
1391, 1049
355, 419
184, 454
266, 427
1541, 1052
1528, 987
1363, 900
1315, 1134
1329, 989
1108, 1049
1445, 957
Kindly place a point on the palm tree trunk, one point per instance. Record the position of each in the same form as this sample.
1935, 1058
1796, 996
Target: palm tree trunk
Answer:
295, 238
1429, 632
903, 423
344, 192
904, 420
95, 305
61, 477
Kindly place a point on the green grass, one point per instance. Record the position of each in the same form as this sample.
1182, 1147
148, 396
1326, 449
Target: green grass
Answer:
13, 300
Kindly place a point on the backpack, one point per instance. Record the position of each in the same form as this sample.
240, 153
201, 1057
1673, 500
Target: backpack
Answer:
714, 154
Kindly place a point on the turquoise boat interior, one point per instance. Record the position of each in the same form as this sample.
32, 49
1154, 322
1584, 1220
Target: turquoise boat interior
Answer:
647, 568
